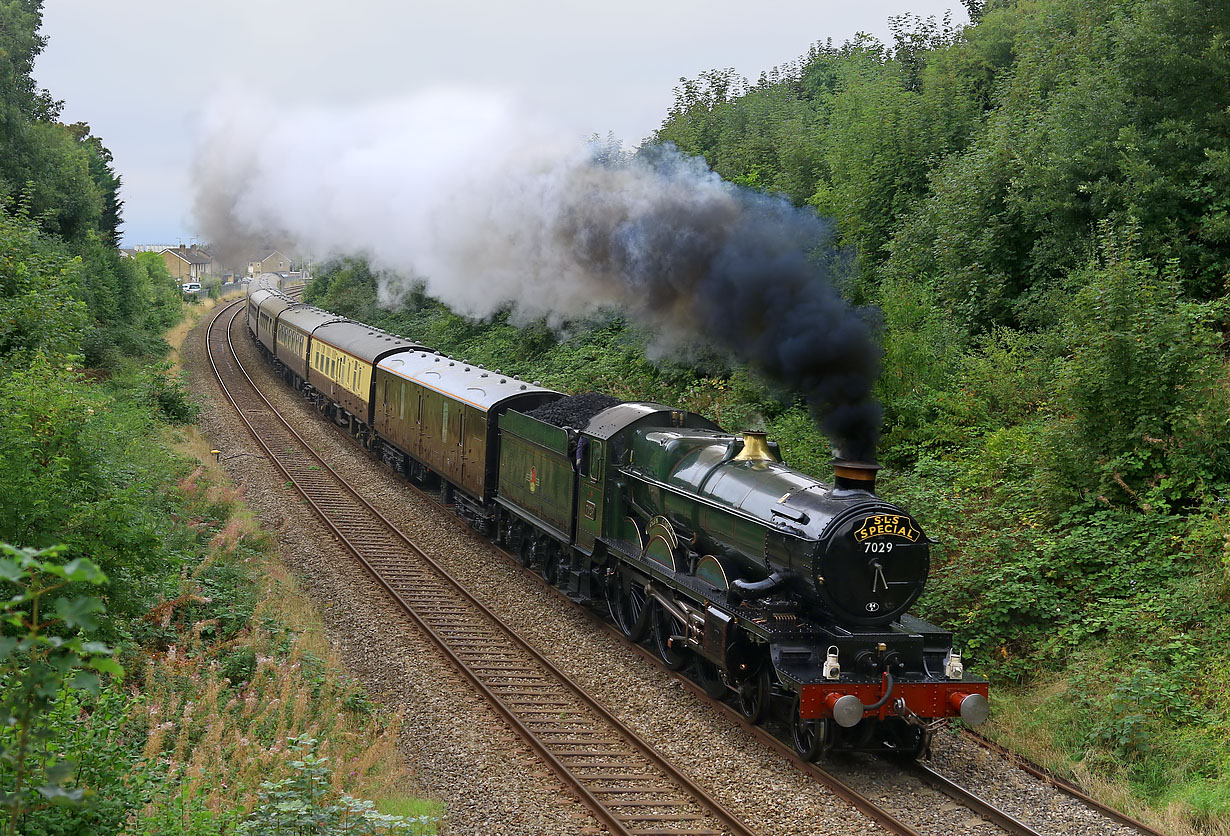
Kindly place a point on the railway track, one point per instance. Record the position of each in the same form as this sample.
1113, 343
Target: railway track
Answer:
624, 782
627, 785
779, 740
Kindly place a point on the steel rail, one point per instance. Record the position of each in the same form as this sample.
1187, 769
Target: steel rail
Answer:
975, 802
1061, 784
585, 792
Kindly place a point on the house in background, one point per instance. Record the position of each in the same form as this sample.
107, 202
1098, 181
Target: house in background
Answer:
275, 262
188, 264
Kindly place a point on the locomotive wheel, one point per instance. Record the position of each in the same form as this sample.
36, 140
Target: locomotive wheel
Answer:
525, 553
629, 606
548, 565
710, 679
503, 532
754, 696
664, 627
810, 736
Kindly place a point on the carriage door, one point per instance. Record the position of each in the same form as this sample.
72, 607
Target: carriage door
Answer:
453, 441
592, 466
473, 453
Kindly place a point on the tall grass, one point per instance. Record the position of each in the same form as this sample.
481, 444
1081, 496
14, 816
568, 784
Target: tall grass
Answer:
220, 703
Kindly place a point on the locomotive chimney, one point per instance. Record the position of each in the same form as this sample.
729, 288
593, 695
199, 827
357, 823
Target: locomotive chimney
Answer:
854, 476
755, 448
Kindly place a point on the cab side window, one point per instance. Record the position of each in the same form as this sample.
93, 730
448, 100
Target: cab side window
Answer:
582, 456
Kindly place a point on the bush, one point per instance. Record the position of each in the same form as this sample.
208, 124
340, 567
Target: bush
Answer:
186, 813
39, 287
46, 654
168, 397
1142, 417
305, 803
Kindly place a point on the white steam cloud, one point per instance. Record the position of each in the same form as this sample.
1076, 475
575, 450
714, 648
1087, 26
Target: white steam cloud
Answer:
458, 189
492, 209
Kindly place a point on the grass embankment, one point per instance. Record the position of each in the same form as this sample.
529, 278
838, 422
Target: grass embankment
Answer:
243, 670
235, 714
1101, 617
225, 706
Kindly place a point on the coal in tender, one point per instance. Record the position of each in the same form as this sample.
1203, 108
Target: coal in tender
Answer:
575, 410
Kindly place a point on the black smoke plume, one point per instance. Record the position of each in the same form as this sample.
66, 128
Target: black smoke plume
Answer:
741, 274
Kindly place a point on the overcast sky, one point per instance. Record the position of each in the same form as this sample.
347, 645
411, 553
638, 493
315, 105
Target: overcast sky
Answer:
141, 71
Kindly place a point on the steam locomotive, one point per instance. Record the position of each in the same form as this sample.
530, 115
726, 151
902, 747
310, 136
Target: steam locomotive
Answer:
785, 594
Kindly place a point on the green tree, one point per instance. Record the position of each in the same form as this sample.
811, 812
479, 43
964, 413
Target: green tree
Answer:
891, 119
40, 312
105, 180
20, 99
44, 648
62, 173
1110, 111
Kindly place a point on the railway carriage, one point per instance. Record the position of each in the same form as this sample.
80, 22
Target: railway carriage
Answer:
294, 330
270, 306
341, 365
438, 416
257, 297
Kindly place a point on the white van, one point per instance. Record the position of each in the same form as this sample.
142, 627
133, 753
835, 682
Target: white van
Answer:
192, 287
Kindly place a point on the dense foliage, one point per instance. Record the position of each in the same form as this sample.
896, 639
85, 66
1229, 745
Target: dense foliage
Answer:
1038, 204
124, 553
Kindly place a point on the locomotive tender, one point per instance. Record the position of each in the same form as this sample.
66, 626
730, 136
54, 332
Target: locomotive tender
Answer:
783, 591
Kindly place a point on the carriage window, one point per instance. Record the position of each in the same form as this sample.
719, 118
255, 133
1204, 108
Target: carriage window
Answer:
595, 462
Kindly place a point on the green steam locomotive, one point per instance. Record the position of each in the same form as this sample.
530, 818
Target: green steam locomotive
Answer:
783, 594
